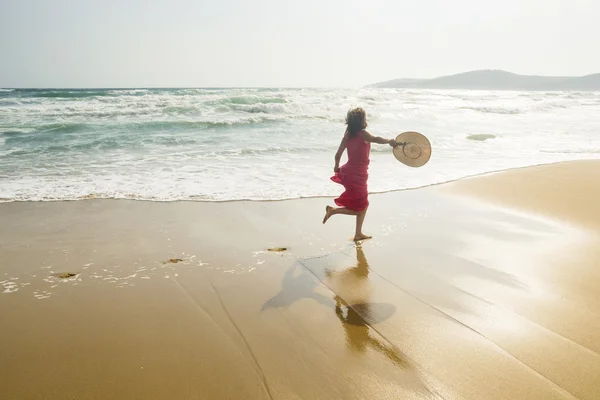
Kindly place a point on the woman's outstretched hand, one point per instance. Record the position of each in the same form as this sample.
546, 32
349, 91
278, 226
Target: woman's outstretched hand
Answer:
393, 143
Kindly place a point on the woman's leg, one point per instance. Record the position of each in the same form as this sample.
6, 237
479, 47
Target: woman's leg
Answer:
329, 211
360, 218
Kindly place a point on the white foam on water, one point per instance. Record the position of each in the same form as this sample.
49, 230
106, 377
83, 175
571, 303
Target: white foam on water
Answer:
260, 144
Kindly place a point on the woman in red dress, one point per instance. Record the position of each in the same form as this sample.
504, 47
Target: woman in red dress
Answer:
354, 174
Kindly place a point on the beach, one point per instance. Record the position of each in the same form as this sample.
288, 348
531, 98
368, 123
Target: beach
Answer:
482, 288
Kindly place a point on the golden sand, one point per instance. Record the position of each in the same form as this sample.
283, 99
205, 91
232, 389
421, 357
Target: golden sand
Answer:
569, 191
452, 299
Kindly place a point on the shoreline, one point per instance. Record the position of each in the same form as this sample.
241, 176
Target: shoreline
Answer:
377, 193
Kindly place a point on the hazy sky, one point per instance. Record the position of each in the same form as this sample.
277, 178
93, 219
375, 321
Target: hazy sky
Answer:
134, 43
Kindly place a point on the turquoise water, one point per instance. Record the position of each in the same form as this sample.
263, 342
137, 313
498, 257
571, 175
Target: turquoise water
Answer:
226, 144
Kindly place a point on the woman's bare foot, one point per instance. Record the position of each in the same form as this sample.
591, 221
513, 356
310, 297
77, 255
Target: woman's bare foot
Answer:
361, 236
328, 213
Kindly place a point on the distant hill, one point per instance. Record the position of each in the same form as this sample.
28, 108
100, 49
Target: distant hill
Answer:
497, 80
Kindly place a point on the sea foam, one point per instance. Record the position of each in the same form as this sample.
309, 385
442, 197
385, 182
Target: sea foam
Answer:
264, 144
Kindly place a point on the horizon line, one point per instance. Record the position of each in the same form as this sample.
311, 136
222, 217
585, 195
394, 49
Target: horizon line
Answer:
224, 87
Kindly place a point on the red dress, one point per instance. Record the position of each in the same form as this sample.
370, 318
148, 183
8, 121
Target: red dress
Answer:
354, 174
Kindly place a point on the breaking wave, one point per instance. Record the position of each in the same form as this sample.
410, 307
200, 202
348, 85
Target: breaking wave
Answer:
265, 144
494, 110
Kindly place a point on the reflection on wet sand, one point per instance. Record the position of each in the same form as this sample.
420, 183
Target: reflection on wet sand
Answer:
361, 315
355, 297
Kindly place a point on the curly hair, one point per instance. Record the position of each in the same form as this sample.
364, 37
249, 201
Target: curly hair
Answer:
356, 119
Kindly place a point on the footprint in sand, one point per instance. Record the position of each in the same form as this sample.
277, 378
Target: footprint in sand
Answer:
277, 249
65, 275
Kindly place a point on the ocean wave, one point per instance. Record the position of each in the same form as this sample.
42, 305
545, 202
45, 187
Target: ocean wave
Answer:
199, 144
263, 108
176, 114
50, 132
129, 92
99, 144
56, 128
267, 151
215, 110
150, 125
480, 137
8, 132
255, 100
56, 93
43, 134
9, 102
62, 128
252, 104
202, 186
549, 106
124, 196
94, 113
572, 151
178, 125
179, 109
493, 110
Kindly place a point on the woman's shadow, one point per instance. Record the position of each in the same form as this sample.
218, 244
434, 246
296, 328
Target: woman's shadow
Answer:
297, 284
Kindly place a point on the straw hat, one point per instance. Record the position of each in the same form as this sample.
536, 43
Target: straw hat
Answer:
413, 150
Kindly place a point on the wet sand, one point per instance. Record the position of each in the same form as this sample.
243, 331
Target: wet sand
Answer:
486, 288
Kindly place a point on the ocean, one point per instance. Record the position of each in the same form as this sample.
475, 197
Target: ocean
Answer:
269, 144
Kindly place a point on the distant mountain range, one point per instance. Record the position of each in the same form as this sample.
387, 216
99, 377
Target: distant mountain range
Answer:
497, 80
